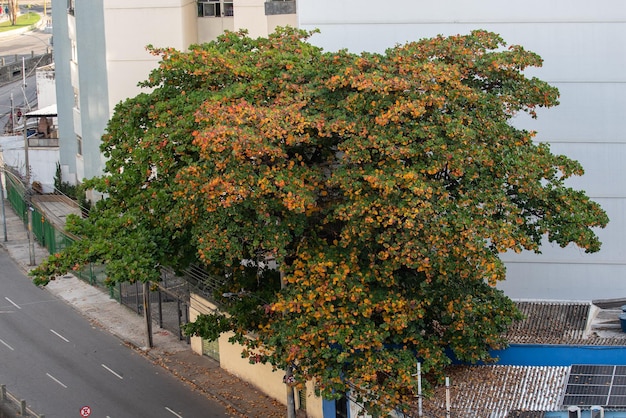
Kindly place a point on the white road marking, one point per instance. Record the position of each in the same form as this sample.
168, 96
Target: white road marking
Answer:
169, 410
112, 371
60, 336
13, 303
7, 345
56, 380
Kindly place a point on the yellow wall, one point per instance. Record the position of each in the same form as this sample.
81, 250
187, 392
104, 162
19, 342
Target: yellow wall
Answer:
260, 375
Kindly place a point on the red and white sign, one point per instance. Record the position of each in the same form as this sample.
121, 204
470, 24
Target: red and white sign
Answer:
85, 411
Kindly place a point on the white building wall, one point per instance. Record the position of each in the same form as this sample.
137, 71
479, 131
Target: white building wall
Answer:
583, 45
41, 160
46, 87
129, 27
250, 14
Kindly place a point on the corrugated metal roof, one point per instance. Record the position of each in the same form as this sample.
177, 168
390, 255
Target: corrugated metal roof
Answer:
526, 414
550, 323
494, 391
48, 111
571, 323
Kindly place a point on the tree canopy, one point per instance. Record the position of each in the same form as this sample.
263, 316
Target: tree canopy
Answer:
355, 205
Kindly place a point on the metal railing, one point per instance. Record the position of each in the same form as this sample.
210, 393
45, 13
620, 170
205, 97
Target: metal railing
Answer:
18, 404
15, 67
170, 298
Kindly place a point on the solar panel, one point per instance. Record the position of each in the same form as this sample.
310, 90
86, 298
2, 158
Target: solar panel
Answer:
592, 369
616, 401
584, 400
619, 380
589, 385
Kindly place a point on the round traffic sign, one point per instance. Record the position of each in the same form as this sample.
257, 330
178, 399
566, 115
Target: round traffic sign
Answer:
85, 411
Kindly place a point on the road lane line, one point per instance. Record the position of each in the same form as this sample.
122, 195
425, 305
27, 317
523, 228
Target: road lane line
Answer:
7, 345
60, 336
56, 380
112, 371
169, 410
13, 303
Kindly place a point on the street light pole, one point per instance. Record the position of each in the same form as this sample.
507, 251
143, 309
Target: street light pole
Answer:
47, 45
29, 208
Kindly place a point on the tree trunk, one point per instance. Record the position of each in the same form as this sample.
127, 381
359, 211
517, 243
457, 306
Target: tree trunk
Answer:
14, 10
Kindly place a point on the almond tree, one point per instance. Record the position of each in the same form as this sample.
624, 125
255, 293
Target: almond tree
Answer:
355, 206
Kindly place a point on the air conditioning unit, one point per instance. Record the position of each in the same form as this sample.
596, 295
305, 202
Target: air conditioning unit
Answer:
597, 412
573, 412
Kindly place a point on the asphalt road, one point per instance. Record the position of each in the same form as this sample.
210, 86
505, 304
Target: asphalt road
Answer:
35, 42
54, 358
11, 47
23, 98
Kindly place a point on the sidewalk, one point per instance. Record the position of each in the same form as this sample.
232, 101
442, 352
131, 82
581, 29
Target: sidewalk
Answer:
199, 372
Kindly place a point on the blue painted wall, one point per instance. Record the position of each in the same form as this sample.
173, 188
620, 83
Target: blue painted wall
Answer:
547, 355
328, 409
560, 355
586, 414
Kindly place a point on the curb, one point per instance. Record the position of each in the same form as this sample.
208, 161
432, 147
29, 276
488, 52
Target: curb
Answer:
217, 396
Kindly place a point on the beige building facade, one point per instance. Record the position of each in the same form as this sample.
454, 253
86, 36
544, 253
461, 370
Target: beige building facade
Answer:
262, 376
101, 56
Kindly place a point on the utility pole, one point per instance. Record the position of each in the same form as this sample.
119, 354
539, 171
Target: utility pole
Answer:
147, 314
12, 117
4, 217
419, 389
31, 238
26, 159
29, 208
447, 397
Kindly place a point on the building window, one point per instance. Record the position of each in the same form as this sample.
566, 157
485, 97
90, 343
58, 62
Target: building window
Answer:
215, 8
280, 7
73, 51
70, 7
79, 145
76, 98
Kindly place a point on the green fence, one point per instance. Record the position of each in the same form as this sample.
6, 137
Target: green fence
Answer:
169, 307
44, 232
47, 235
16, 195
